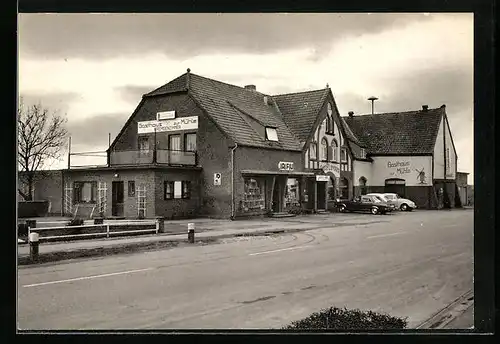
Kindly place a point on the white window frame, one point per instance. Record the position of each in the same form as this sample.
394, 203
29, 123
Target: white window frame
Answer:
271, 134
323, 152
335, 151
311, 151
343, 154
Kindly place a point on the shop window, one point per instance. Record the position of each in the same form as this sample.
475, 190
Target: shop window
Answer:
85, 192
254, 194
312, 151
343, 154
169, 190
292, 197
186, 189
324, 149
344, 188
335, 152
174, 142
190, 142
143, 143
362, 185
271, 134
131, 188
331, 189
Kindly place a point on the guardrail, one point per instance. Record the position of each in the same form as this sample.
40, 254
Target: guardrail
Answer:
107, 233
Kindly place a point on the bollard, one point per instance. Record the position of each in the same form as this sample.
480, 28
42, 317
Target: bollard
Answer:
191, 233
33, 239
160, 224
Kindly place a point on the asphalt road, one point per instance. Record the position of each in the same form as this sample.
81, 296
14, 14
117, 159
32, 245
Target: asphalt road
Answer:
405, 264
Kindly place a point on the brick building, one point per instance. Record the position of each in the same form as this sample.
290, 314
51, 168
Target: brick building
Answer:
200, 147
410, 153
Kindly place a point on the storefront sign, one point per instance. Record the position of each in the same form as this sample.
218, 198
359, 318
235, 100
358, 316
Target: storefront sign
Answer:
217, 179
329, 167
321, 178
182, 123
285, 166
160, 116
399, 167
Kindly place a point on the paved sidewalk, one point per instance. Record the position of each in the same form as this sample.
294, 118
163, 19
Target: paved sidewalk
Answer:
208, 228
463, 321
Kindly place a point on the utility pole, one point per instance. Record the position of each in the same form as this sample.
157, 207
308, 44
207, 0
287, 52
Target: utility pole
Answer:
372, 99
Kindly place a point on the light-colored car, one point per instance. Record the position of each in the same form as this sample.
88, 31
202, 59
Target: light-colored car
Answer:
403, 204
383, 199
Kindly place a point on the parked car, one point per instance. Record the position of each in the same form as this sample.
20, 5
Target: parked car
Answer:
364, 203
382, 198
403, 204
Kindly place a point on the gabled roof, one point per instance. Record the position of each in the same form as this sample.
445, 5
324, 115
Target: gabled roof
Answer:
228, 104
402, 133
177, 85
349, 134
300, 110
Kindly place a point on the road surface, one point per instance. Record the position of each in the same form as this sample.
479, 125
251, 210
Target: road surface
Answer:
405, 264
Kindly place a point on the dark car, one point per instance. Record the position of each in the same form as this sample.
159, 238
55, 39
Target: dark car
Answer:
364, 203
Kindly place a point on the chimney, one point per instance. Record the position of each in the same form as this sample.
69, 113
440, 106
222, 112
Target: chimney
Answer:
251, 87
351, 113
425, 107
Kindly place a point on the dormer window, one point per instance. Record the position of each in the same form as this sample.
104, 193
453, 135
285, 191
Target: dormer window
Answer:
363, 153
271, 134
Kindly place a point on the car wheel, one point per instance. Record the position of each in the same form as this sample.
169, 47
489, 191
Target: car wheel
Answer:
342, 208
374, 211
404, 207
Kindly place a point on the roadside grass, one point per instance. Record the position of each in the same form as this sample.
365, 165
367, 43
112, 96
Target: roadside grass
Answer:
107, 251
348, 319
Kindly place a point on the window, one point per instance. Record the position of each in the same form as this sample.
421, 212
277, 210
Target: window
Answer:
177, 189
85, 192
343, 154
335, 153
312, 151
131, 188
271, 134
143, 143
174, 142
169, 189
186, 189
329, 124
190, 142
324, 149
292, 193
363, 153
254, 194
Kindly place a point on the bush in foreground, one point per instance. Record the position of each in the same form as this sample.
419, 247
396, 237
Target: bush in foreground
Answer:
345, 319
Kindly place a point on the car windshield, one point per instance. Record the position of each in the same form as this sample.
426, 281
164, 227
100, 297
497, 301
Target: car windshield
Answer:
378, 199
391, 196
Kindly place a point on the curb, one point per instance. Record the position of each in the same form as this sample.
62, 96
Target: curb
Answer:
446, 315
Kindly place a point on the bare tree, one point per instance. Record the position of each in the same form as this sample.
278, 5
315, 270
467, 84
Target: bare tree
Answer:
41, 134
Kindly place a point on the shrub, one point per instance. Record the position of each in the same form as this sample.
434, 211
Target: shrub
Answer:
343, 319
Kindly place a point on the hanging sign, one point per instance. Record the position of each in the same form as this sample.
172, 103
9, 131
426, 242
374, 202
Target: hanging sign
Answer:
217, 179
285, 166
181, 123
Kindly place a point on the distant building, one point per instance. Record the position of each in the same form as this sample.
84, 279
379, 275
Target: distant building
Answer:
463, 189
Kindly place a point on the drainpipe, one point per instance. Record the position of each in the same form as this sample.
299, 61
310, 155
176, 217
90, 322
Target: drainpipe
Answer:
232, 180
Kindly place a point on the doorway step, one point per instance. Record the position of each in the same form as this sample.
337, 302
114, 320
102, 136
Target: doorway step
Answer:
282, 214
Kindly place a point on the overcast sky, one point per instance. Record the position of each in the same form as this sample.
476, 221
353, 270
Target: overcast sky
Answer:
95, 67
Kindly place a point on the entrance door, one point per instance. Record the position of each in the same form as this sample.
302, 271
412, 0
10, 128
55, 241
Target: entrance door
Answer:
321, 203
395, 185
117, 199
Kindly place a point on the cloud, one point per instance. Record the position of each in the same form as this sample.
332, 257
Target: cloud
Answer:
98, 36
55, 101
133, 93
93, 132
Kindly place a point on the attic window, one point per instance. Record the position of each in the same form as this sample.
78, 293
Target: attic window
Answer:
271, 134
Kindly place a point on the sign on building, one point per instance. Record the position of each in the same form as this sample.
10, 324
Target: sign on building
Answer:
181, 123
285, 166
217, 179
330, 167
160, 116
321, 178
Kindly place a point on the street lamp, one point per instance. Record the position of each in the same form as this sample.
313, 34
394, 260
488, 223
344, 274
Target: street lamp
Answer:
372, 99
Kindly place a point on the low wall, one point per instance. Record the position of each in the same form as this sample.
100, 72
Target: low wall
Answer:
32, 209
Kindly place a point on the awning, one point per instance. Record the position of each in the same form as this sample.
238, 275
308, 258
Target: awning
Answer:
284, 173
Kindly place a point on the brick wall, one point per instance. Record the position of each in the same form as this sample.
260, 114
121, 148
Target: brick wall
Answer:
139, 176
177, 208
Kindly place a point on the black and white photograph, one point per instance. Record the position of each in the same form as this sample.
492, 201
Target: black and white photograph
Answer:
245, 171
